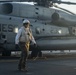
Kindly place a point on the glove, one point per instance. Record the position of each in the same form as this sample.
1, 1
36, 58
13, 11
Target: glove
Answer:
16, 46
35, 45
28, 34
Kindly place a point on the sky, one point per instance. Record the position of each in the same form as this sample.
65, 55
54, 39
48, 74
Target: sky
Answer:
69, 7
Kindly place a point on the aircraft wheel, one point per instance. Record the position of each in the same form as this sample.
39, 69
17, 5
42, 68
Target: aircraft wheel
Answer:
40, 54
34, 53
6, 53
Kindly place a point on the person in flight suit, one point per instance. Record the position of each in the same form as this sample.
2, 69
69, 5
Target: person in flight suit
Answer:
22, 39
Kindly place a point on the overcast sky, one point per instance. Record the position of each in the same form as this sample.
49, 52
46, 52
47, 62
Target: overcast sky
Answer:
69, 7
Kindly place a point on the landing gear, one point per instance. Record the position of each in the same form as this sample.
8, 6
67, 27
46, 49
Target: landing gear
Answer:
39, 53
6, 53
36, 53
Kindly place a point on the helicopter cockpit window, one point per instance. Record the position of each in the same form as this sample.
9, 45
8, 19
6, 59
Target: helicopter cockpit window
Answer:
7, 8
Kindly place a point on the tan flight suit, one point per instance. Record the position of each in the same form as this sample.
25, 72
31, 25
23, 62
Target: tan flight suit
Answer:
24, 54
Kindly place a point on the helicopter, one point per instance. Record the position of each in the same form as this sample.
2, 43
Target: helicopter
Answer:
53, 28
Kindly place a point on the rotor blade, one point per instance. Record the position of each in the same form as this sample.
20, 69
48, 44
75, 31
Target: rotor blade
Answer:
17, 0
63, 9
59, 2
26, 0
9, 0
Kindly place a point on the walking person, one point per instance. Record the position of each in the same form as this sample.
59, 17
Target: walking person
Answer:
22, 39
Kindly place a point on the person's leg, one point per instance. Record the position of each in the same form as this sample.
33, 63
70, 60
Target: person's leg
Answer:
23, 56
24, 59
20, 62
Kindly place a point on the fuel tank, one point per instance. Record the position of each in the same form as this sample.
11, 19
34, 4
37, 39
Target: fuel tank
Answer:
56, 44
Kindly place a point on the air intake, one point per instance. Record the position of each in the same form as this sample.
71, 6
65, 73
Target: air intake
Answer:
7, 8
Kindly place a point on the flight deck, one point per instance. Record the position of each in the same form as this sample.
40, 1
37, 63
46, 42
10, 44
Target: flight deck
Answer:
48, 66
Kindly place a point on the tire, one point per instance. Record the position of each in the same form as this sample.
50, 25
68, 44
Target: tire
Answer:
6, 53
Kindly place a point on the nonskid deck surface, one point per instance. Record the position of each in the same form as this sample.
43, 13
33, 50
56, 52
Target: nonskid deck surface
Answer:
43, 66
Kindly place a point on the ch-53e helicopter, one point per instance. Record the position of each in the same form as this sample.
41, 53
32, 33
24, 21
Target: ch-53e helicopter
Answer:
53, 29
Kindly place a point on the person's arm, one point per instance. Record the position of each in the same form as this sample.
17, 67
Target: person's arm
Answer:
33, 40
18, 36
31, 37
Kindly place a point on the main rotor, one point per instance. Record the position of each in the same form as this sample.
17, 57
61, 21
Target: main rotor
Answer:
48, 3
45, 3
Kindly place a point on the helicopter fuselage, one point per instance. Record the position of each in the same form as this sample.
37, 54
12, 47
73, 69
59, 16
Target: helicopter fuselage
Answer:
53, 29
